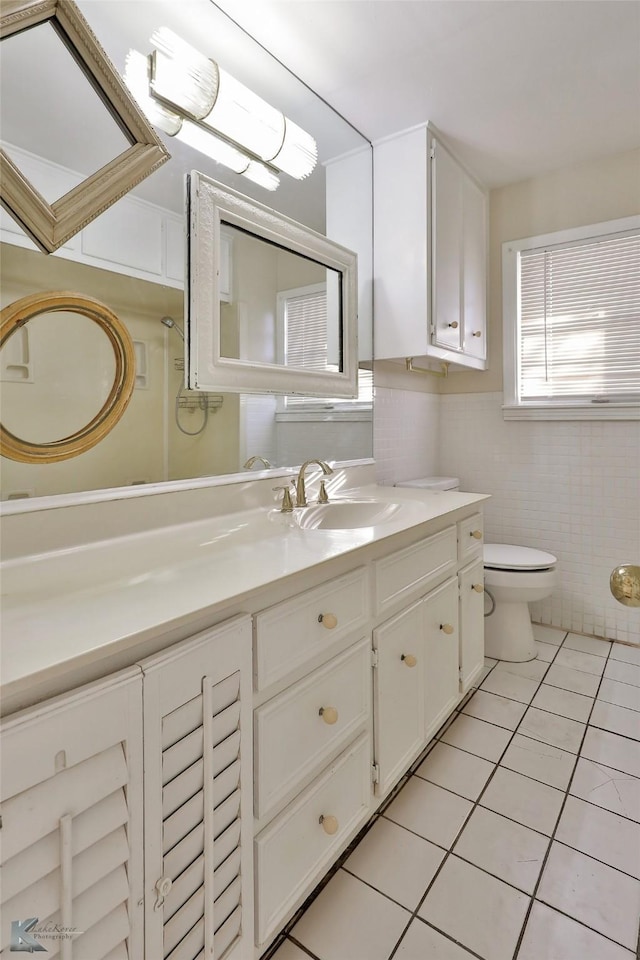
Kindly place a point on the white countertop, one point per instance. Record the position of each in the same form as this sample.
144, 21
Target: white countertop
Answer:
68, 607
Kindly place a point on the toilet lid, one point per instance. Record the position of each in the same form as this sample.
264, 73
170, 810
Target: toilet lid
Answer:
507, 556
431, 483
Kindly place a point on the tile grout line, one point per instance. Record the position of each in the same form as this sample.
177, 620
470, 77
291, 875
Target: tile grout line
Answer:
477, 803
449, 852
553, 834
412, 771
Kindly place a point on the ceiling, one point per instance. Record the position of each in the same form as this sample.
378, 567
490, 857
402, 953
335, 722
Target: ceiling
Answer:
519, 87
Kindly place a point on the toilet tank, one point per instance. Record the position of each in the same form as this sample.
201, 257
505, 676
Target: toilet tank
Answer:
431, 483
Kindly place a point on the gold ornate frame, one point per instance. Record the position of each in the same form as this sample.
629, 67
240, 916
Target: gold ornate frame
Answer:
51, 225
16, 315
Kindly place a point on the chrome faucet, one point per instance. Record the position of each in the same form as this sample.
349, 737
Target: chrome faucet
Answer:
301, 493
250, 462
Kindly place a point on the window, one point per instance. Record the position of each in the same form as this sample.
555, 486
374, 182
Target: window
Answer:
571, 317
304, 342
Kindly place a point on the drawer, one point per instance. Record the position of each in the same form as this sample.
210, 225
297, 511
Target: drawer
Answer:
406, 574
470, 538
297, 732
293, 632
295, 850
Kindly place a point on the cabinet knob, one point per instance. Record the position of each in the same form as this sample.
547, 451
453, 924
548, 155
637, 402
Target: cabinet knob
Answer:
408, 659
477, 333
478, 587
446, 627
454, 324
329, 824
328, 620
476, 534
328, 714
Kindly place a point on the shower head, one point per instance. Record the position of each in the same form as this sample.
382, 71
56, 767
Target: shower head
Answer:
169, 322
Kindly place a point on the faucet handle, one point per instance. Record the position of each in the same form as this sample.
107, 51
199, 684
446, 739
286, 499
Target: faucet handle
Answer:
287, 502
323, 496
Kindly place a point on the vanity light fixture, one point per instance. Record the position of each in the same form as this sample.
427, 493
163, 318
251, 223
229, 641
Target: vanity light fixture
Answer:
136, 77
188, 96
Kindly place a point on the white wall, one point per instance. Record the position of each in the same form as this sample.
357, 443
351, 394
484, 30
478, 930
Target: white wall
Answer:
570, 487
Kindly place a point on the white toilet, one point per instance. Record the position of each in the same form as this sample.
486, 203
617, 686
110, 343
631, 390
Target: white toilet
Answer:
514, 577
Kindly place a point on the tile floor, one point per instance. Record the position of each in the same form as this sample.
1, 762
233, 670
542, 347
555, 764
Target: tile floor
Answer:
516, 834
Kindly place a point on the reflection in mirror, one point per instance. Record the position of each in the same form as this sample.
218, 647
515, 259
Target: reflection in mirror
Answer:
286, 308
28, 331
132, 259
56, 373
32, 59
312, 278
80, 198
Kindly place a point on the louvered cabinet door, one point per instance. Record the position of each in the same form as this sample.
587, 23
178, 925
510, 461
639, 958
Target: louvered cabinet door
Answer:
71, 805
198, 797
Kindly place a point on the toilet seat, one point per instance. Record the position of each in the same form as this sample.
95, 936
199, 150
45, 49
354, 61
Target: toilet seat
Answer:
509, 557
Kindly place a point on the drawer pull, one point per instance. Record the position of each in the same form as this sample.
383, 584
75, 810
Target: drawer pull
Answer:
446, 627
328, 714
328, 620
408, 659
478, 587
477, 333
454, 324
329, 825
476, 534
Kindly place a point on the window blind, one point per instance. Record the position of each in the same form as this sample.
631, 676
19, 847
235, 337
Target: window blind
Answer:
305, 325
579, 321
305, 345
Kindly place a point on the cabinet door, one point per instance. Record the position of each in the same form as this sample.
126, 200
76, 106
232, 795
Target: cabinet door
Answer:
399, 693
72, 823
471, 623
198, 772
441, 630
447, 248
474, 270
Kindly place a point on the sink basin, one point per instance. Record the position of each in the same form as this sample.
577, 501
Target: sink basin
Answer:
347, 514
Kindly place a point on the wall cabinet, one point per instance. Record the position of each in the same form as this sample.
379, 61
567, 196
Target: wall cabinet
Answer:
130, 822
430, 258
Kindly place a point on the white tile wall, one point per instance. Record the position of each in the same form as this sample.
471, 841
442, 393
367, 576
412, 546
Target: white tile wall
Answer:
569, 487
406, 434
330, 440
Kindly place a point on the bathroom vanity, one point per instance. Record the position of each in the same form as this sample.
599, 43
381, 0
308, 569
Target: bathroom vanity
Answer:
212, 711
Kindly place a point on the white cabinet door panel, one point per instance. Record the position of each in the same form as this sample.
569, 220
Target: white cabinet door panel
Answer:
471, 623
72, 819
474, 234
446, 226
441, 627
198, 771
399, 694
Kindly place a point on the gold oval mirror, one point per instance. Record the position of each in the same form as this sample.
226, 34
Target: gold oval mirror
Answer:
112, 398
